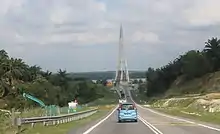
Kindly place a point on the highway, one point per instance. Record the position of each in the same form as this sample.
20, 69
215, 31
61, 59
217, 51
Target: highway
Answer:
110, 126
150, 122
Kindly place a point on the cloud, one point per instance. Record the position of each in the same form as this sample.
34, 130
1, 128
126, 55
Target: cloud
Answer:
203, 12
147, 37
7, 5
83, 35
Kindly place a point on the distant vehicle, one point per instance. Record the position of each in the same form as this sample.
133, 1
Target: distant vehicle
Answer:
122, 101
122, 95
127, 111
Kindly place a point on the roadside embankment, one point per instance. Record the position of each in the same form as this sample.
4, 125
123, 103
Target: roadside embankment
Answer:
204, 108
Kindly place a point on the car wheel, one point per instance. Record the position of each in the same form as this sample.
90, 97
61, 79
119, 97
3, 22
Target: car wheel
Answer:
119, 121
135, 120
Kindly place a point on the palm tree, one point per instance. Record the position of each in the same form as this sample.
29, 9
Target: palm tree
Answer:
3, 58
14, 69
3, 54
212, 45
63, 79
212, 50
34, 71
10, 70
46, 74
62, 73
4, 89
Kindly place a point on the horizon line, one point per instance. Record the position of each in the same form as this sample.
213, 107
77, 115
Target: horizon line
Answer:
106, 71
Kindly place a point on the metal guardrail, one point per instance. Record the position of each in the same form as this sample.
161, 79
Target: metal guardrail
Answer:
5, 111
54, 120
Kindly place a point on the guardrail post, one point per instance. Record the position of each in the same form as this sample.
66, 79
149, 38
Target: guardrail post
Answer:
50, 111
18, 123
32, 124
58, 108
53, 122
13, 117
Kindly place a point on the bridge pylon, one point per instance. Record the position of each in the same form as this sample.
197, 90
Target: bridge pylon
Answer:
122, 75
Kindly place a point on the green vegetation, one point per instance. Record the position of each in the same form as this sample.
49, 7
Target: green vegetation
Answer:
105, 75
139, 95
187, 86
188, 108
65, 128
205, 116
53, 89
4, 122
190, 73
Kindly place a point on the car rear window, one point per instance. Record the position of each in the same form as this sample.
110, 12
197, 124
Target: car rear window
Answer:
127, 107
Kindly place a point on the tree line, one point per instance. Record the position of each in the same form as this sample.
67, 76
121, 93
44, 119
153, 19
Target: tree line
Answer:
17, 78
107, 75
192, 64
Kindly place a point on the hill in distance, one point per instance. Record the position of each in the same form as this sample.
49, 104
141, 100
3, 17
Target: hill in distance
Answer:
105, 75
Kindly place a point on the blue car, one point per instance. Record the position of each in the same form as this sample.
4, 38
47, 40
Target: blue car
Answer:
127, 112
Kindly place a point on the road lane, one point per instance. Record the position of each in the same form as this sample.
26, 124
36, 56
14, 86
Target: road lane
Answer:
150, 122
171, 125
111, 126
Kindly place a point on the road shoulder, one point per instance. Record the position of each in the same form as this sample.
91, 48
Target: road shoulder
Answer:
186, 119
83, 127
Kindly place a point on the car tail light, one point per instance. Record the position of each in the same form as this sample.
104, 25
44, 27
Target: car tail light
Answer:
134, 106
120, 106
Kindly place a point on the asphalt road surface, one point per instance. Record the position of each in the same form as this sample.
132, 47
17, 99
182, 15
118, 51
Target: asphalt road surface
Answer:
151, 122
111, 126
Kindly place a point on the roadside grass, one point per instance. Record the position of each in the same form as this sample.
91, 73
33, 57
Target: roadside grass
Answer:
179, 107
137, 97
64, 128
110, 99
5, 122
5, 119
187, 107
35, 112
104, 105
103, 101
192, 114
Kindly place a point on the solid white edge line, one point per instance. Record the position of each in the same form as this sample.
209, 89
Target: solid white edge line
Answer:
175, 118
100, 122
152, 128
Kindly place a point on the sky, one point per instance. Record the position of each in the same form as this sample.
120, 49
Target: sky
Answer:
83, 35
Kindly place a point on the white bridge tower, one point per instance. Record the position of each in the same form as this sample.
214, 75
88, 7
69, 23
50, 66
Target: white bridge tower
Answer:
122, 75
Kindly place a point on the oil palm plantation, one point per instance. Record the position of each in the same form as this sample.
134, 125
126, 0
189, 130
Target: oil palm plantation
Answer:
212, 49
